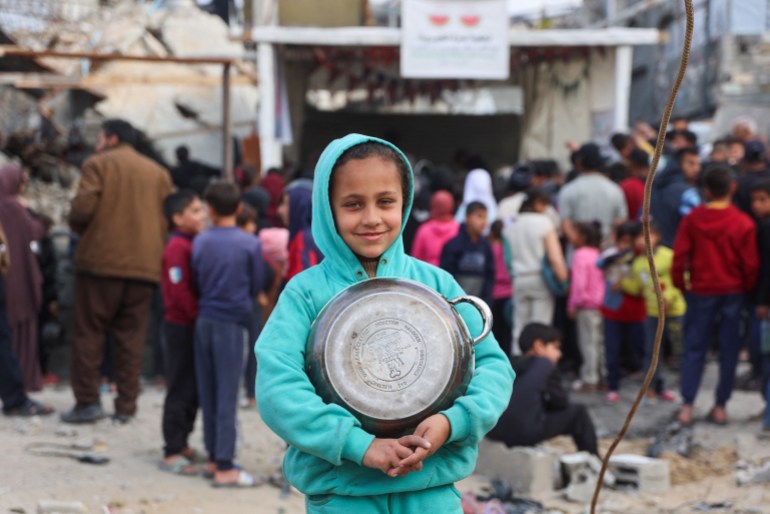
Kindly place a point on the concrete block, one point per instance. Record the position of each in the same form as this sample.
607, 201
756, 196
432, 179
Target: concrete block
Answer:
754, 474
646, 474
574, 464
529, 470
581, 487
571, 463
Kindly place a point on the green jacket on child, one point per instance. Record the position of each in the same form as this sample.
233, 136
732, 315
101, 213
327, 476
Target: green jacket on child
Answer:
640, 283
326, 442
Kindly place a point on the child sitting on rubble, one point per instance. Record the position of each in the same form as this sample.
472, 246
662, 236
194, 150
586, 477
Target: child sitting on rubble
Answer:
540, 408
362, 195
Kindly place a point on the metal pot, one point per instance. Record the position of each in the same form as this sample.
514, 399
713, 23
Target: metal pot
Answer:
392, 352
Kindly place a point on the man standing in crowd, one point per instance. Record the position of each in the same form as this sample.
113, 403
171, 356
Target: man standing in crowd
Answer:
675, 194
591, 196
754, 170
633, 186
118, 212
191, 174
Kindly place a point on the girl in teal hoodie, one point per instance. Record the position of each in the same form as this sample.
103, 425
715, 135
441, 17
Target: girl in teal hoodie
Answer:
362, 195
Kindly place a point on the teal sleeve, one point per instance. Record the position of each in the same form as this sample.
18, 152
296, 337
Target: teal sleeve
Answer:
287, 399
477, 411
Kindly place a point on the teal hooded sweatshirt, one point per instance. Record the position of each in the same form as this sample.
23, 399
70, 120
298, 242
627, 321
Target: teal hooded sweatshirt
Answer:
326, 442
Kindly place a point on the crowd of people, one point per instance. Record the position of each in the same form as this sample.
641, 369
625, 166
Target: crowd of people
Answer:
559, 256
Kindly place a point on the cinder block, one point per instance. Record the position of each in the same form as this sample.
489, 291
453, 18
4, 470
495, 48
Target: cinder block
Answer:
574, 464
571, 463
647, 474
529, 470
581, 487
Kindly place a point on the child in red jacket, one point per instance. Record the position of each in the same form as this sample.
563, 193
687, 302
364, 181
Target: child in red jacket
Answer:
185, 214
717, 245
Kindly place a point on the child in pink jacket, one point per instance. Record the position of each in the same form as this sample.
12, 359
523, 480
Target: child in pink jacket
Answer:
585, 299
432, 235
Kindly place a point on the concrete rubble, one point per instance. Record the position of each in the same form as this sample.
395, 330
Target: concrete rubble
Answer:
754, 473
51, 108
645, 474
528, 470
580, 472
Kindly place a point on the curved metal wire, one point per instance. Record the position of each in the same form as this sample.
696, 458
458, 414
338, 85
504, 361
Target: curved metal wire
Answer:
685, 59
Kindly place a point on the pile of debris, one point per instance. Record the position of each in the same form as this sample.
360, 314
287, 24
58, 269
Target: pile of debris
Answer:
50, 108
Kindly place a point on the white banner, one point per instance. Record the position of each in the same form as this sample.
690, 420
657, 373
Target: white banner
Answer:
455, 39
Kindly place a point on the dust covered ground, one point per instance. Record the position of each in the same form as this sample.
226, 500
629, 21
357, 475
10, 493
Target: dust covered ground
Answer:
132, 483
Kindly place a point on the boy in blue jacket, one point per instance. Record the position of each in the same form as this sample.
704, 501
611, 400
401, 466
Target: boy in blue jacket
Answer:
362, 195
468, 256
229, 273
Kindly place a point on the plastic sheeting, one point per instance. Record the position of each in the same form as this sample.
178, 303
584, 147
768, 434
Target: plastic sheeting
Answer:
567, 101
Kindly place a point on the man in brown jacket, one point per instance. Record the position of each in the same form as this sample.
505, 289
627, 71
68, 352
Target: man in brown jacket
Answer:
118, 212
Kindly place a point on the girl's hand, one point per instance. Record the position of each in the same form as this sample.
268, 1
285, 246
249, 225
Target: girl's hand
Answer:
436, 431
386, 454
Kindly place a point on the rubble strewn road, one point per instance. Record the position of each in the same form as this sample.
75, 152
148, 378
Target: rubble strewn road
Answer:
132, 483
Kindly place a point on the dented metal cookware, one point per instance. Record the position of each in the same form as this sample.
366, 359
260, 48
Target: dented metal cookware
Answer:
392, 352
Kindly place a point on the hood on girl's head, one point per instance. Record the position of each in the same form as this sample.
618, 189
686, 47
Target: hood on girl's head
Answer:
478, 186
442, 205
300, 209
326, 237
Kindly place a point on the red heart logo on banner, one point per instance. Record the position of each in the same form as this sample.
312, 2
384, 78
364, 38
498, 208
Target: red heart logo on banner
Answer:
438, 20
470, 21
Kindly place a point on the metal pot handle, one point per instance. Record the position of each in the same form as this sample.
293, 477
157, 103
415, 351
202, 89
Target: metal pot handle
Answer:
484, 311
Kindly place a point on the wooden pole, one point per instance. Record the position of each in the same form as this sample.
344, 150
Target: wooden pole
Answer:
12, 51
227, 125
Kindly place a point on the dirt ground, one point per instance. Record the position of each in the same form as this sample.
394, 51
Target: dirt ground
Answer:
132, 483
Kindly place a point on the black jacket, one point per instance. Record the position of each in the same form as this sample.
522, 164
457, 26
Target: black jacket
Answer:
668, 188
538, 390
762, 292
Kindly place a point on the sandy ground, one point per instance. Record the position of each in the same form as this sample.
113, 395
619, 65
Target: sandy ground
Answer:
131, 482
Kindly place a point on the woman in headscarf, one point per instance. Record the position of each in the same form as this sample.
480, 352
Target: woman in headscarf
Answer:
478, 188
274, 184
296, 212
254, 194
440, 228
24, 281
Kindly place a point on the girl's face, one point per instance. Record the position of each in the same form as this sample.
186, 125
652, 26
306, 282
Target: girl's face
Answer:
367, 202
540, 206
624, 243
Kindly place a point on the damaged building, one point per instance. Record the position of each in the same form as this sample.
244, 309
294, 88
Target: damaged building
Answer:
175, 63
729, 71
